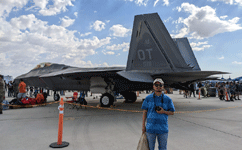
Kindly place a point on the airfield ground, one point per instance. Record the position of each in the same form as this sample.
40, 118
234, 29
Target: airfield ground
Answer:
208, 124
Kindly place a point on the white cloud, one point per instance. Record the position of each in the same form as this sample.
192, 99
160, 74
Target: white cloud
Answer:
183, 32
6, 6
237, 63
231, 2
124, 46
200, 46
203, 22
105, 64
156, 1
168, 19
76, 14
66, 21
221, 58
89, 64
27, 41
179, 20
85, 34
50, 10
119, 31
108, 52
41, 3
234, 20
98, 25
139, 2
93, 43
166, 2
223, 17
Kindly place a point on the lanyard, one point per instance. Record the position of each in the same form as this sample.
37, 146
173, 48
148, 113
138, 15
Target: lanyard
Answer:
161, 99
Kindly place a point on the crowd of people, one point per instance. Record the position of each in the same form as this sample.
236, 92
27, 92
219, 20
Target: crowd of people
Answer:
233, 89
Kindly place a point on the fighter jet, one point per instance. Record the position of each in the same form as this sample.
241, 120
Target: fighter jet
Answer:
152, 54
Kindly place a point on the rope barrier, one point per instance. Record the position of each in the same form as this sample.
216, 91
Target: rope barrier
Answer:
113, 108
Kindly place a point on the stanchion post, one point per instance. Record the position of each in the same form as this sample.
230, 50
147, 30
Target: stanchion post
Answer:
59, 143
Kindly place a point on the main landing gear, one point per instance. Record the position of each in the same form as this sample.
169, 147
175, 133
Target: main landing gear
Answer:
108, 99
56, 96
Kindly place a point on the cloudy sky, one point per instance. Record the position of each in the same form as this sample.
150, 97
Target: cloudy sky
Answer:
97, 33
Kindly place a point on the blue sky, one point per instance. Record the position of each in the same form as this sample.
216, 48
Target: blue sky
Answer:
97, 33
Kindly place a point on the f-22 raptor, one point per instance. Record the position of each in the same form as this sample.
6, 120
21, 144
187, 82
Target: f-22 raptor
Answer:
152, 54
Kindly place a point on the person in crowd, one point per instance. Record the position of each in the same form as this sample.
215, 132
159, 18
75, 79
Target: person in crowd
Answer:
21, 89
227, 87
31, 89
10, 88
221, 91
232, 91
157, 106
2, 92
237, 90
15, 89
216, 85
5, 84
192, 87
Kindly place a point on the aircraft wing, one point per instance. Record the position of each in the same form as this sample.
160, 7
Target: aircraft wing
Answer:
183, 77
87, 71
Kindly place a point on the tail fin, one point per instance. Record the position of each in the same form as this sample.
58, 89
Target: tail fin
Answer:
187, 53
152, 48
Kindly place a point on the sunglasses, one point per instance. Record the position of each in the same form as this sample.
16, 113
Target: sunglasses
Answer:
156, 85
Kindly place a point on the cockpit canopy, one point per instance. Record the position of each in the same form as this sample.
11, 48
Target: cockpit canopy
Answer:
42, 65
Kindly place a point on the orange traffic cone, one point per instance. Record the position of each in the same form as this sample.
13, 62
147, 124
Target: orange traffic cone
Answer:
59, 143
199, 93
227, 96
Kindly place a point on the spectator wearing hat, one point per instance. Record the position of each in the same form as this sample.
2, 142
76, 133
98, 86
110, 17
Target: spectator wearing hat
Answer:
2, 92
157, 106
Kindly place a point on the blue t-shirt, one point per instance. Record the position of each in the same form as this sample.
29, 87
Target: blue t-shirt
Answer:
157, 123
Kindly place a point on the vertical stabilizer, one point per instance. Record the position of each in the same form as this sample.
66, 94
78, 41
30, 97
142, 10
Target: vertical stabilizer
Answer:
187, 53
152, 48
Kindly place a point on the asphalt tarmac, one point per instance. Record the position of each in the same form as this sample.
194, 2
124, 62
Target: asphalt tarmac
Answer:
209, 124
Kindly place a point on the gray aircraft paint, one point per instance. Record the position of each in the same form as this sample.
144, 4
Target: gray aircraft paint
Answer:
187, 53
152, 47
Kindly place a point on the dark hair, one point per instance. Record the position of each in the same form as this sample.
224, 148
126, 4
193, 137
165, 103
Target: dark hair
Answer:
1, 76
21, 80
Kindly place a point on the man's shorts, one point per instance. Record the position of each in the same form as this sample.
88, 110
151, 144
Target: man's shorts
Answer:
21, 95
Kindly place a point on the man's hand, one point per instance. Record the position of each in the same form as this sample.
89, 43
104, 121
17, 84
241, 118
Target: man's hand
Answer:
162, 111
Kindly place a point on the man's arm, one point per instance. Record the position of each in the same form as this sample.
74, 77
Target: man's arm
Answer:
144, 120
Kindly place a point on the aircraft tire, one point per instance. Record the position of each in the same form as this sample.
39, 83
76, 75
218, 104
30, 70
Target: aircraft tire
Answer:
56, 97
106, 100
130, 97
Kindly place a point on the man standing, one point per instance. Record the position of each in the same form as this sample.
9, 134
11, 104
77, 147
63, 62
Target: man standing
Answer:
237, 90
21, 89
192, 88
2, 92
157, 107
